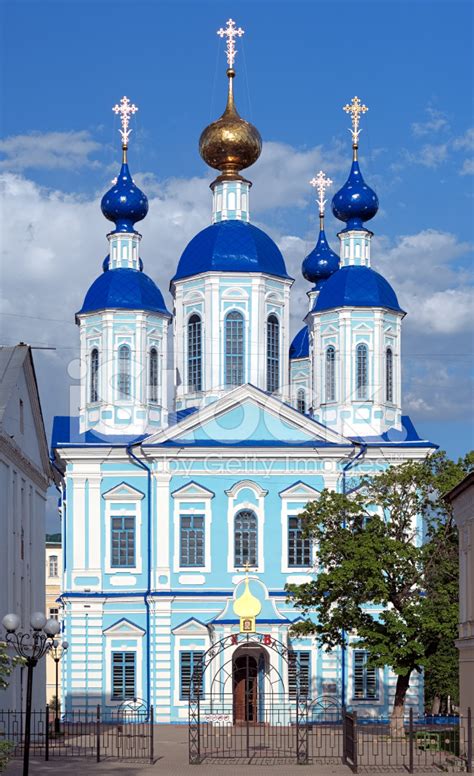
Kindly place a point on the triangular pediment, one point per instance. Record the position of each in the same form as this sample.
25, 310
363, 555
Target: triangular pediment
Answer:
192, 491
299, 490
123, 492
124, 628
191, 627
248, 417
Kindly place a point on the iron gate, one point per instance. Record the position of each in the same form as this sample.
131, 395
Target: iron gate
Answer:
245, 713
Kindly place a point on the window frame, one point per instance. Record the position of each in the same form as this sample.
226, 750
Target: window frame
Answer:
389, 385
124, 375
126, 530
125, 654
330, 388
296, 671
299, 392
272, 353
125, 504
365, 680
192, 529
306, 544
251, 512
153, 379
53, 559
94, 375
194, 360
184, 696
234, 316
362, 372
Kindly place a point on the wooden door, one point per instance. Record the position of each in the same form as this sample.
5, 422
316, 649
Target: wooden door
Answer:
245, 689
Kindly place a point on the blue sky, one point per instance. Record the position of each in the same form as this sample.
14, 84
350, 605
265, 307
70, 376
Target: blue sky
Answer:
65, 64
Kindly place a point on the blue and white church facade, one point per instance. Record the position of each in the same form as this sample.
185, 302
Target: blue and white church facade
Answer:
170, 501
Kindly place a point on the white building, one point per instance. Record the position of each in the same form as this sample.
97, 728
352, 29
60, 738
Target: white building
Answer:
24, 478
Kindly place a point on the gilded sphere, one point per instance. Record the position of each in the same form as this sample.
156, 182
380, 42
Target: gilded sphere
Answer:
230, 144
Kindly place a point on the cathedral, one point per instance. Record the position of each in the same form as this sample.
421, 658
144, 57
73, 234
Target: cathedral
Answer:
181, 504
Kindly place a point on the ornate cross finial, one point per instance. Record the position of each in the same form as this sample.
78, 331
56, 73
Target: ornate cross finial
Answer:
321, 182
230, 32
355, 108
126, 109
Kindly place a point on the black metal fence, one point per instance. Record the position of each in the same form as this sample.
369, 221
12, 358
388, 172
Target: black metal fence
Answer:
125, 735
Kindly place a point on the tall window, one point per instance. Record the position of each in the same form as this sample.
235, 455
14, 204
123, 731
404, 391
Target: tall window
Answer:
53, 566
301, 400
195, 353
245, 538
188, 662
191, 540
153, 374
273, 353
123, 541
299, 548
389, 375
123, 675
299, 673
94, 376
124, 369
234, 349
330, 375
365, 682
362, 372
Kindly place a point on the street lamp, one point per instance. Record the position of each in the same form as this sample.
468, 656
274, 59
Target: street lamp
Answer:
31, 646
57, 651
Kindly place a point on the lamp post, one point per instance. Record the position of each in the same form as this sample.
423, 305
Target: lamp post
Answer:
57, 651
31, 646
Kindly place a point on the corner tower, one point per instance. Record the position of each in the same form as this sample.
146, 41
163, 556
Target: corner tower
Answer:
231, 288
356, 322
123, 321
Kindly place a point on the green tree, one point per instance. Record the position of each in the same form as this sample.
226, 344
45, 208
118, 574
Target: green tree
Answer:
6, 665
380, 546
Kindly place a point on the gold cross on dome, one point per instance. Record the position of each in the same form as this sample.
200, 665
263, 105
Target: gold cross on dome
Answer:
321, 182
356, 109
230, 32
125, 109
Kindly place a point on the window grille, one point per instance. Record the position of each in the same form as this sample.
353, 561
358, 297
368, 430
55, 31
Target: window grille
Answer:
389, 375
245, 538
54, 614
330, 382
299, 548
301, 400
365, 679
53, 566
188, 662
362, 377
195, 353
123, 675
234, 349
124, 376
192, 540
299, 664
94, 376
273, 353
123, 541
153, 375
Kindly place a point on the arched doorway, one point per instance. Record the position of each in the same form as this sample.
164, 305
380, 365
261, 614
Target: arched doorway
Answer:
249, 666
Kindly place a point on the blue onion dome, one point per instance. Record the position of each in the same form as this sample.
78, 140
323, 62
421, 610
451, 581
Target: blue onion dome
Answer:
231, 246
356, 286
321, 262
299, 347
124, 203
355, 202
124, 289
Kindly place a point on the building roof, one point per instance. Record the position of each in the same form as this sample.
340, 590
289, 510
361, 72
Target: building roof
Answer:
299, 347
356, 286
124, 289
231, 246
467, 482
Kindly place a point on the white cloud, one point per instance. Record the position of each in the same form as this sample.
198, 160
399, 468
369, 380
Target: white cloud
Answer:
436, 122
465, 141
430, 155
467, 167
48, 150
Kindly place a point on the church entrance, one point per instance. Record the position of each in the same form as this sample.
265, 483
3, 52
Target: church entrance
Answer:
248, 685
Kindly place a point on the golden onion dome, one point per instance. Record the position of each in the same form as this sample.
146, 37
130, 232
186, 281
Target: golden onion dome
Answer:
230, 144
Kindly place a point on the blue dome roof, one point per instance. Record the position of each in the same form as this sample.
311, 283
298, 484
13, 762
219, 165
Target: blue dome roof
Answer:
355, 202
356, 286
231, 246
321, 262
126, 289
299, 348
124, 203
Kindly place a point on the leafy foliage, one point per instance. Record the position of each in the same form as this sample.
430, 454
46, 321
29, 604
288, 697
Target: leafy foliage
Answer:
386, 568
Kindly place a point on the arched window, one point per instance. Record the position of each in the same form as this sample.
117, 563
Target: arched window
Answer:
153, 374
53, 566
389, 375
195, 353
234, 349
231, 201
330, 374
362, 372
273, 353
124, 369
94, 376
301, 400
245, 538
